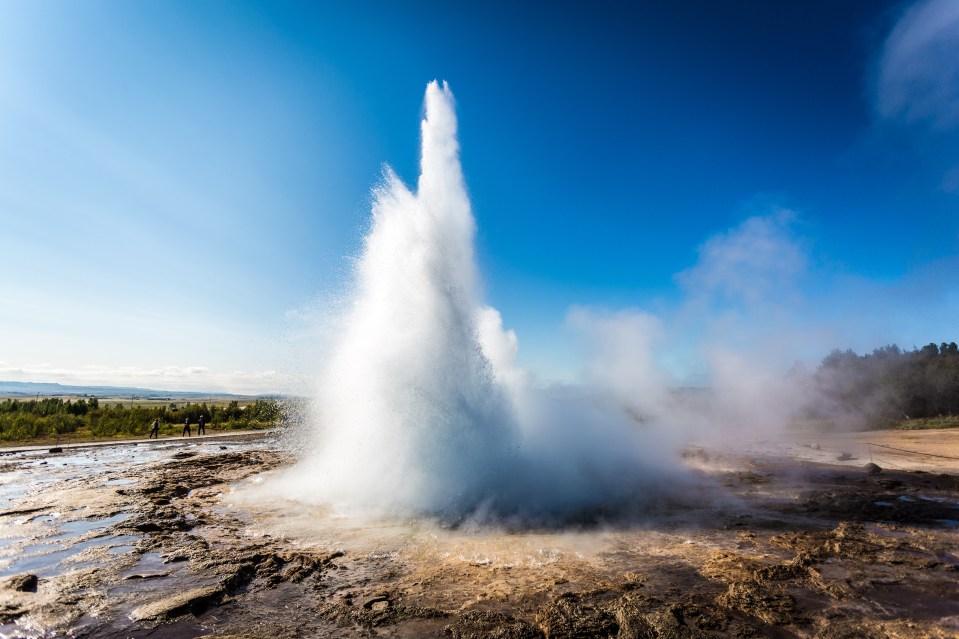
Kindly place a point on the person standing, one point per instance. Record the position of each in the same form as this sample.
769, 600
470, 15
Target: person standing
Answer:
200, 427
155, 431
186, 427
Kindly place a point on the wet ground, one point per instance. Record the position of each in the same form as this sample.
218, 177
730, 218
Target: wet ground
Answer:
181, 540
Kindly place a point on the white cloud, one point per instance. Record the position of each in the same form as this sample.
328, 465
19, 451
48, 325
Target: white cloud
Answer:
748, 263
918, 74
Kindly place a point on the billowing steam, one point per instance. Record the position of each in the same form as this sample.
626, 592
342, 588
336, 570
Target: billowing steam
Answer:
422, 409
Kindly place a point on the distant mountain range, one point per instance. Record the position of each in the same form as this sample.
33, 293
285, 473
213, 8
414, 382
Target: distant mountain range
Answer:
48, 388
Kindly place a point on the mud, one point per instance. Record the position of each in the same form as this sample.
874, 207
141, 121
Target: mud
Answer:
179, 541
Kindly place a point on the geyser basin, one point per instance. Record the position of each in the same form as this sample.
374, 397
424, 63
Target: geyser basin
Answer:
802, 547
422, 409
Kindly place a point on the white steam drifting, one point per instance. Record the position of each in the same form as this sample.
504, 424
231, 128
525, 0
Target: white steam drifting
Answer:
422, 410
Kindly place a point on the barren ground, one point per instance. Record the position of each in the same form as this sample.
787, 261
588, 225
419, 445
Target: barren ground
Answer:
779, 540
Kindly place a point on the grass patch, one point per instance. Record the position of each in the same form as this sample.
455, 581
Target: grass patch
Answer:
52, 419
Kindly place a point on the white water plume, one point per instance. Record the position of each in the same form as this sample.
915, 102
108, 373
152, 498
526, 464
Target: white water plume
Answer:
422, 410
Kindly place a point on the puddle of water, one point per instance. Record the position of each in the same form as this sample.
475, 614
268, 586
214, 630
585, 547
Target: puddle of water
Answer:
150, 563
941, 500
42, 560
47, 552
12, 488
150, 572
79, 527
44, 564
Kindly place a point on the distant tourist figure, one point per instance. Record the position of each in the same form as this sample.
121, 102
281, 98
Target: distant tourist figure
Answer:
200, 428
155, 432
186, 427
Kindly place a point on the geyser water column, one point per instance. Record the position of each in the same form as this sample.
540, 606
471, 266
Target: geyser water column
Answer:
420, 409
411, 418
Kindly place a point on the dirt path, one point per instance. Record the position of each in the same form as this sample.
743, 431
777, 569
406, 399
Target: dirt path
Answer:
163, 439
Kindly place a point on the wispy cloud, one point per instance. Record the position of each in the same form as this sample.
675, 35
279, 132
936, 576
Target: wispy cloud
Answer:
759, 298
749, 262
918, 74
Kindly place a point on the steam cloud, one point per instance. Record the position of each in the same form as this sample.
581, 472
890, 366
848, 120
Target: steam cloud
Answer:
422, 408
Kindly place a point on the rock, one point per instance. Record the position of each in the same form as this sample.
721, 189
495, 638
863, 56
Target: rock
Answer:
667, 624
478, 624
633, 625
843, 457
55, 449
150, 575
873, 469
642, 617
772, 605
175, 557
568, 618
21, 583
195, 600
11, 611
378, 603
782, 572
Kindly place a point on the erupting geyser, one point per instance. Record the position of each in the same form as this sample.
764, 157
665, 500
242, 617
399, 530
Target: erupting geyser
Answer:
421, 409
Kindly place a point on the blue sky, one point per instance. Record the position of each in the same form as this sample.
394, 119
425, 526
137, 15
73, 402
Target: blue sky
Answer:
182, 183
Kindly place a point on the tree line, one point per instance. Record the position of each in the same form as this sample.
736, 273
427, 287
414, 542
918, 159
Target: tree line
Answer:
890, 384
53, 416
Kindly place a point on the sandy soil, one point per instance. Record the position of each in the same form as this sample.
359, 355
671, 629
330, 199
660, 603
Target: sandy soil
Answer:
782, 539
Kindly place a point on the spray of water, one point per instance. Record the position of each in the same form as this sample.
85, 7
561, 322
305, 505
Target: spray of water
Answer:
422, 410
